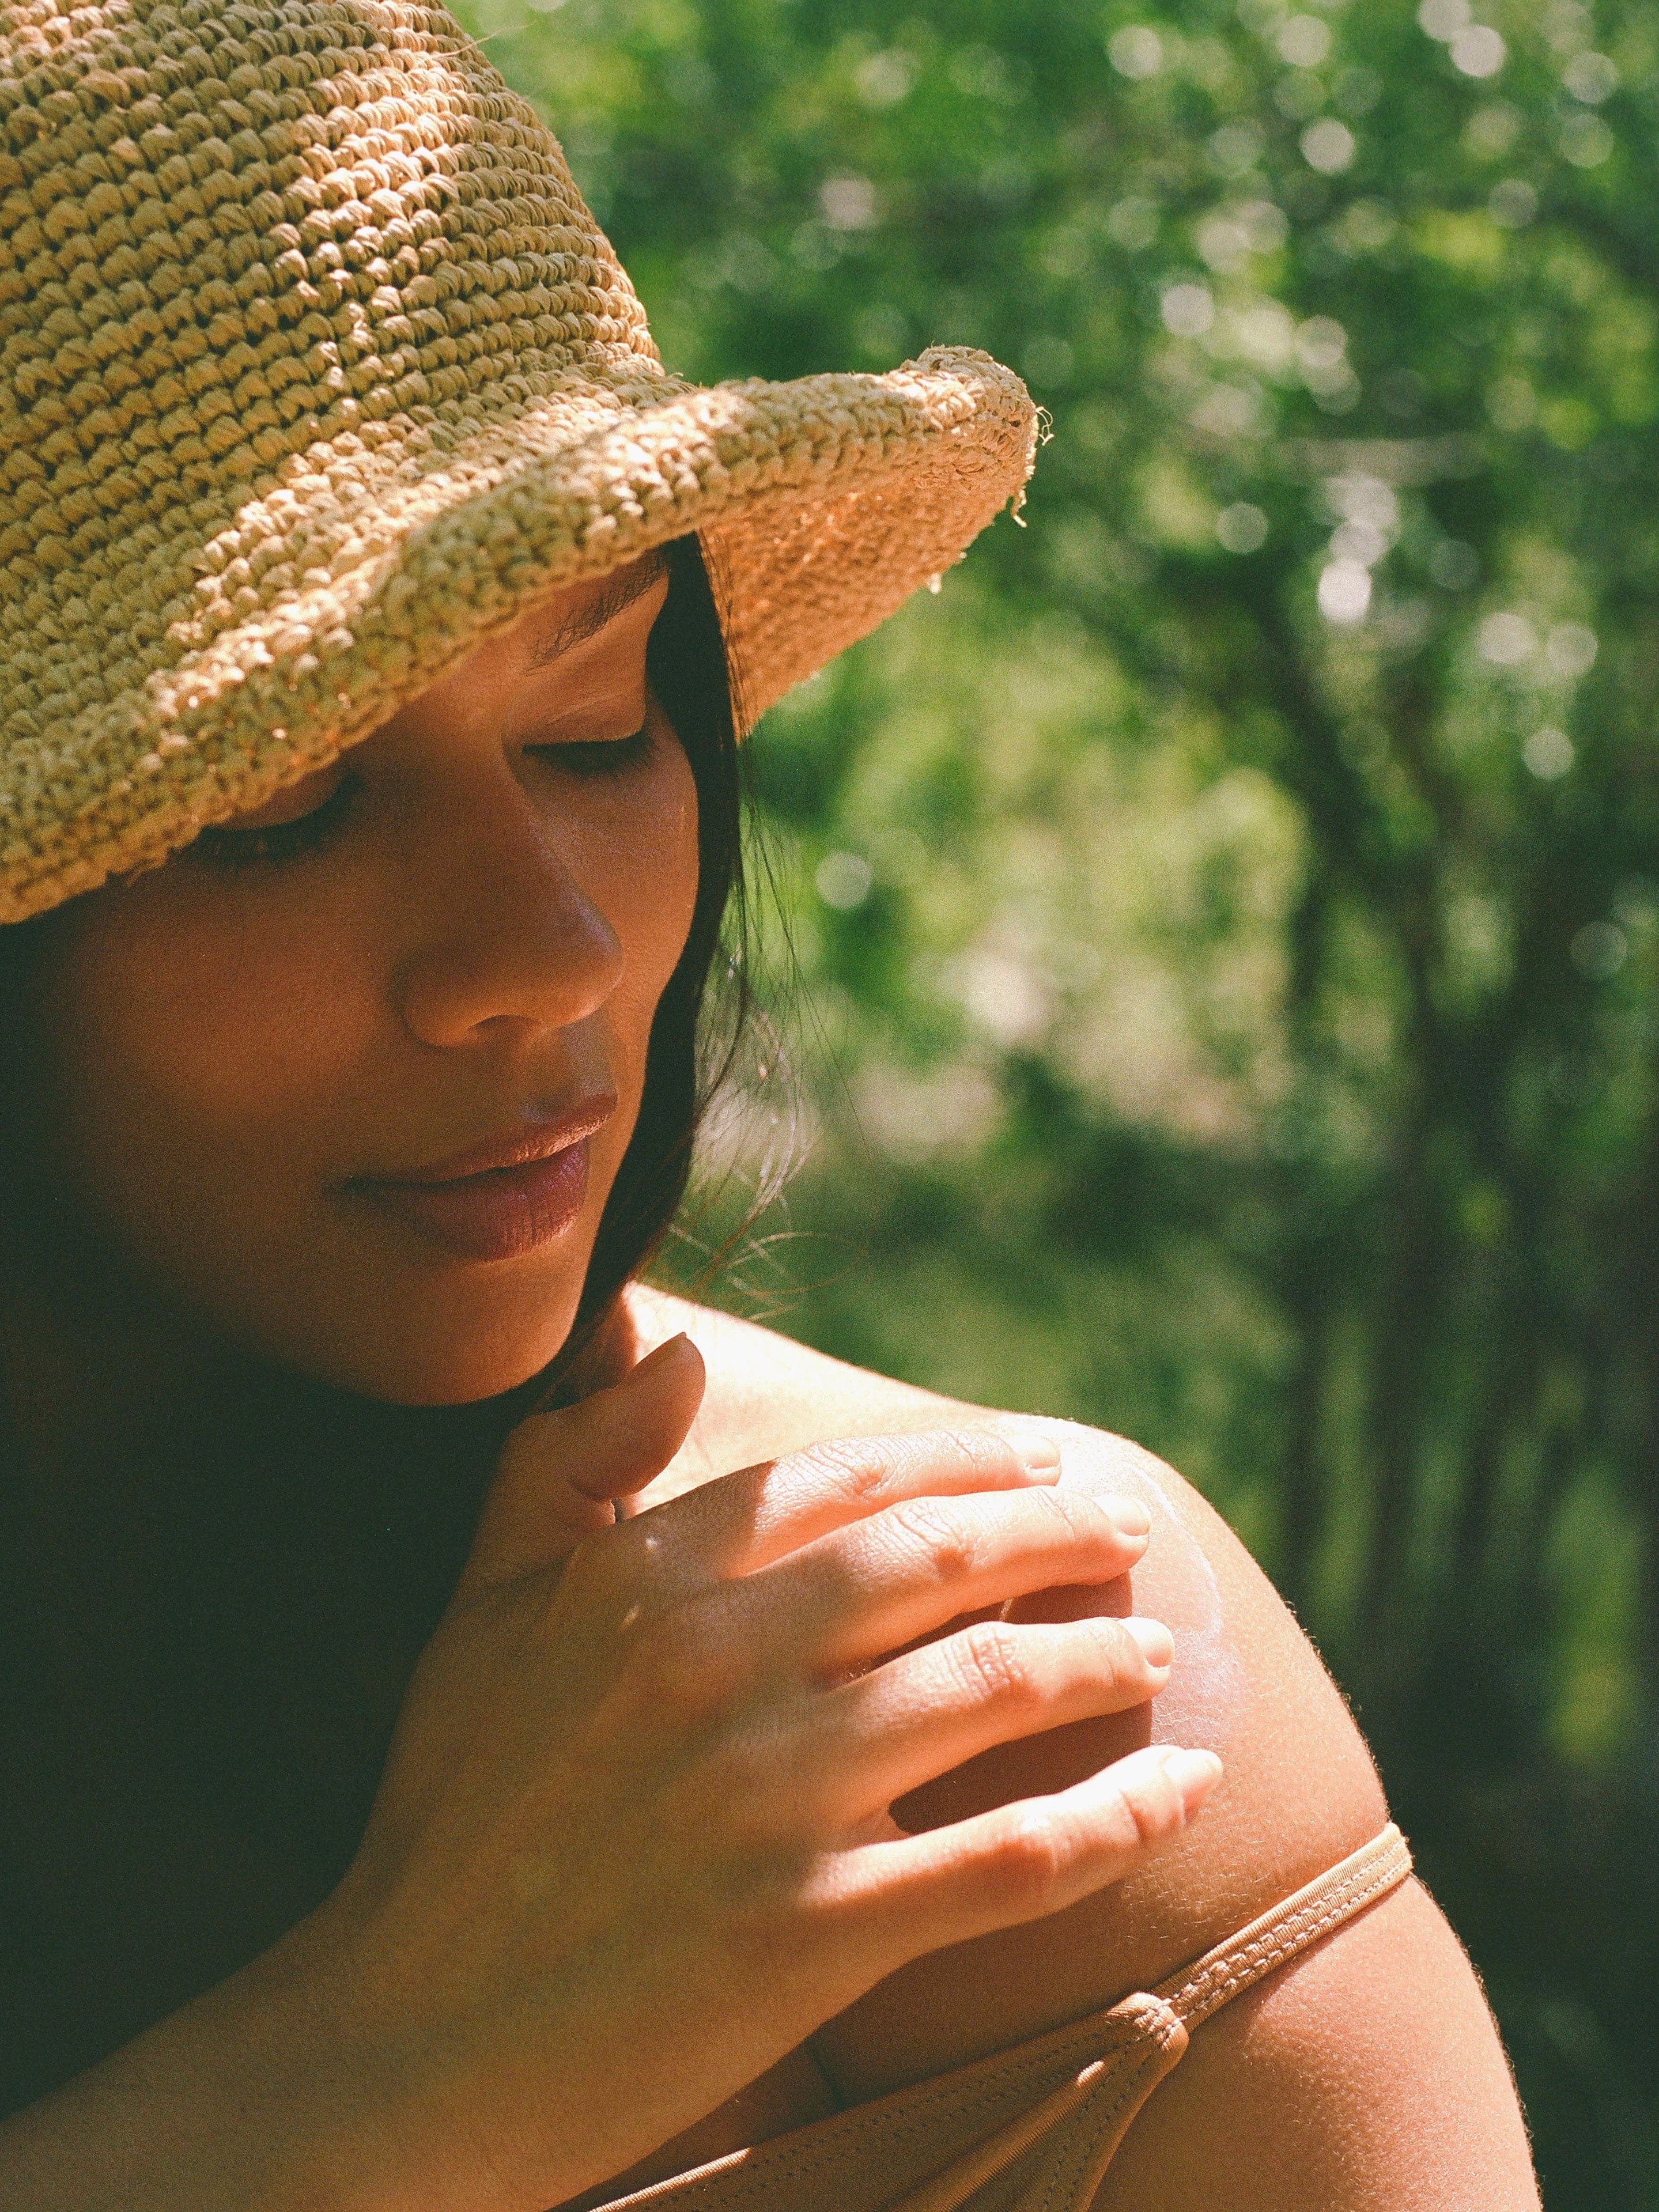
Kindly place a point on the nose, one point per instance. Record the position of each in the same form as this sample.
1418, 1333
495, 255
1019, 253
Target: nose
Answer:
508, 938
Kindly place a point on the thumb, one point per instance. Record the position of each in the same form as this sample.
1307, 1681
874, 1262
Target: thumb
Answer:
560, 1471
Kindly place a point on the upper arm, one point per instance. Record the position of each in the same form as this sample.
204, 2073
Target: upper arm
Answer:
1350, 2042
1366, 2075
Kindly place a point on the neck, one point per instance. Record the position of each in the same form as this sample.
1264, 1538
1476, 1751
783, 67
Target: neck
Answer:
128, 1418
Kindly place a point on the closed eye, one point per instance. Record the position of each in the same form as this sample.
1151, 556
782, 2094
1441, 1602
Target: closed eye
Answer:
586, 758
224, 846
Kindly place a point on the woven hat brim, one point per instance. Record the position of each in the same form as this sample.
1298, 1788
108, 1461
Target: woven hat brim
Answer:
822, 504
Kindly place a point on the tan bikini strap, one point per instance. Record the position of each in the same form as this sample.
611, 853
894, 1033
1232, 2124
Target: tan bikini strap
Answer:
1195, 1991
936, 2146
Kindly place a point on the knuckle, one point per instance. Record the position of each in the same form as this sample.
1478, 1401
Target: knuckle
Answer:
857, 1466
1146, 1809
685, 1660
1074, 1515
980, 1447
1117, 1657
950, 1452
617, 1563
1031, 1857
924, 1527
871, 1468
994, 1665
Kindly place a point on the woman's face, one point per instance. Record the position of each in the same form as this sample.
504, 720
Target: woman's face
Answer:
351, 1077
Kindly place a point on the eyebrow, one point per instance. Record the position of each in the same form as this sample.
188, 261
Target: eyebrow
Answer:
620, 591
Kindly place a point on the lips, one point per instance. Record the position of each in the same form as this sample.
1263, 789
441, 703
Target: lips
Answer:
501, 1199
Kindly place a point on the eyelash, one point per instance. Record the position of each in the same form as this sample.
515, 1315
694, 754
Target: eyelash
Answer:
586, 760
281, 841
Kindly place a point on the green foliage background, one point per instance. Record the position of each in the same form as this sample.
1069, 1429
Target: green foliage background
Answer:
1227, 916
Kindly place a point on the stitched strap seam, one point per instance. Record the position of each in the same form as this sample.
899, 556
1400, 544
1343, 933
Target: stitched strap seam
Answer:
733, 2187
1191, 1995
1279, 1935
1089, 2125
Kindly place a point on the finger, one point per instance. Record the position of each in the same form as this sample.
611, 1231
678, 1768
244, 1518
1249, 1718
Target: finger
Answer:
1023, 1861
559, 1471
744, 1522
920, 1715
865, 1590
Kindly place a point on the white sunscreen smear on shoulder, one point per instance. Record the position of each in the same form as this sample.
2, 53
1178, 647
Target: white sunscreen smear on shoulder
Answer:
1206, 1690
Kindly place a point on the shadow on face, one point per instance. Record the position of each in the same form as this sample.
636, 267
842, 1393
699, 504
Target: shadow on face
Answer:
351, 1077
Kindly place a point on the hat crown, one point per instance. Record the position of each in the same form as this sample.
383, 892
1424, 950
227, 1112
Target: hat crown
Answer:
230, 233
315, 371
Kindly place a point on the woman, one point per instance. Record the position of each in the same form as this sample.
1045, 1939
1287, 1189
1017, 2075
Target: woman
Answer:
377, 609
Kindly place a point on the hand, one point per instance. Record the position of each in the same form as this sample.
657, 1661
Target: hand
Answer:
632, 1845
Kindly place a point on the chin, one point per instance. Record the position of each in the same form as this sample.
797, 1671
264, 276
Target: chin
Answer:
453, 1357
450, 1372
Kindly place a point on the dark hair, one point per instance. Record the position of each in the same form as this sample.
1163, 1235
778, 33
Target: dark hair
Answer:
687, 668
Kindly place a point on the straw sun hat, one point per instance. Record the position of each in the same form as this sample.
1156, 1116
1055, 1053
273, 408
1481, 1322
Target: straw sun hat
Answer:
315, 370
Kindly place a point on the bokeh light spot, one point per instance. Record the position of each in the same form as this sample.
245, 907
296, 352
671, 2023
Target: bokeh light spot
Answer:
1345, 593
1512, 202
843, 880
848, 203
1548, 753
1586, 140
1187, 310
883, 79
1600, 950
1133, 223
1240, 527
1304, 41
1477, 51
1136, 52
1328, 146
1444, 19
1570, 649
1590, 77
1506, 639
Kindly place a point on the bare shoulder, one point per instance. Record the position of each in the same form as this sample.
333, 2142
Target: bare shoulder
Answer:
1368, 2075
1300, 1790
767, 1394
1379, 2036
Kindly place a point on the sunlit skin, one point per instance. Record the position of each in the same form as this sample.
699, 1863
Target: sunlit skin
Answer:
459, 931
265, 1069
632, 1894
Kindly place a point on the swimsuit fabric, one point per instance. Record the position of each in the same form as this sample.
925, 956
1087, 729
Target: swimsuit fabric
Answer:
1032, 2129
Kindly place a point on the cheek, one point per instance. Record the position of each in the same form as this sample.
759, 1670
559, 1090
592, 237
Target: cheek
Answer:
650, 893
176, 1041
213, 1053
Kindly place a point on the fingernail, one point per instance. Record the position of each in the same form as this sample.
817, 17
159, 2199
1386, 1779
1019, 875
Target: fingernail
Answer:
1038, 1453
1130, 1515
1194, 1774
660, 1351
1156, 1645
